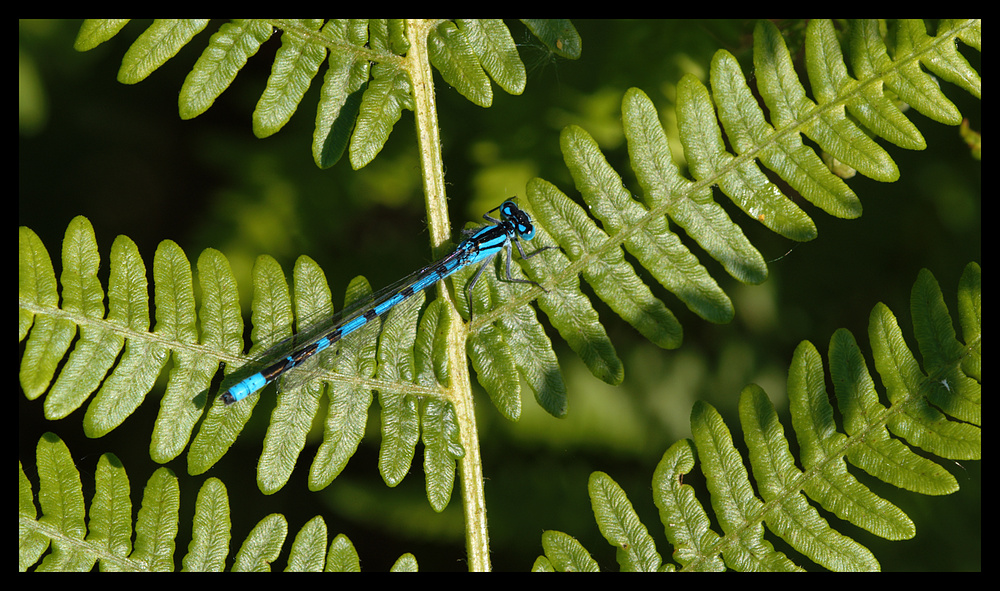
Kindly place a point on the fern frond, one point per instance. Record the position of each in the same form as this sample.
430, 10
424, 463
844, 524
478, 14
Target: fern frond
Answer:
76, 545
707, 122
403, 365
366, 86
930, 407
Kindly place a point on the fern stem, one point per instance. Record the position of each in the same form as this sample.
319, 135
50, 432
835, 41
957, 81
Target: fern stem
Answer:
460, 387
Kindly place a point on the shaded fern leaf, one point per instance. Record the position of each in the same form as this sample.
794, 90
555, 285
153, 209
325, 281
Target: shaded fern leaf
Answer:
724, 134
62, 540
935, 408
366, 85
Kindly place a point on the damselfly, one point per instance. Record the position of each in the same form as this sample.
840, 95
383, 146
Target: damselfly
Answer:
479, 246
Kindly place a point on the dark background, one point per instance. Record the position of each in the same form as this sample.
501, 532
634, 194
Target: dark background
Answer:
122, 156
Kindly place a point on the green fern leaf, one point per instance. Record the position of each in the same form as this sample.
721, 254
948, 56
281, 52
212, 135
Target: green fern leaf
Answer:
791, 516
778, 145
824, 479
407, 563
343, 85
157, 44
940, 54
565, 554
156, 527
262, 546
820, 444
703, 219
683, 517
76, 545
825, 123
918, 422
177, 320
210, 533
614, 280
869, 105
956, 394
295, 65
61, 498
442, 447
349, 403
780, 150
309, 547
367, 83
452, 54
970, 314
37, 289
621, 526
227, 52
111, 513
389, 92
123, 391
649, 240
738, 510
95, 31
495, 50
342, 556
882, 456
400, 414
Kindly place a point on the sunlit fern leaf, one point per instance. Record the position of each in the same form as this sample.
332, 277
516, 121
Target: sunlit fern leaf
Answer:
738, 510
400, 415
647, 238
388, 93
936, 400
702, 117
686, 523
61, 538
452, 54
307, 553
228, 51
366, 85
347, 414
826, 123
295, 65
143, 359
442, 448
780, 150
263, 545
620, 526
210, 531
564, 222
95, 31
109, 539
177, 319
37, 289
344, 83
700, 216
564, 554
494, 47
119, 358
829, 79
157, 44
